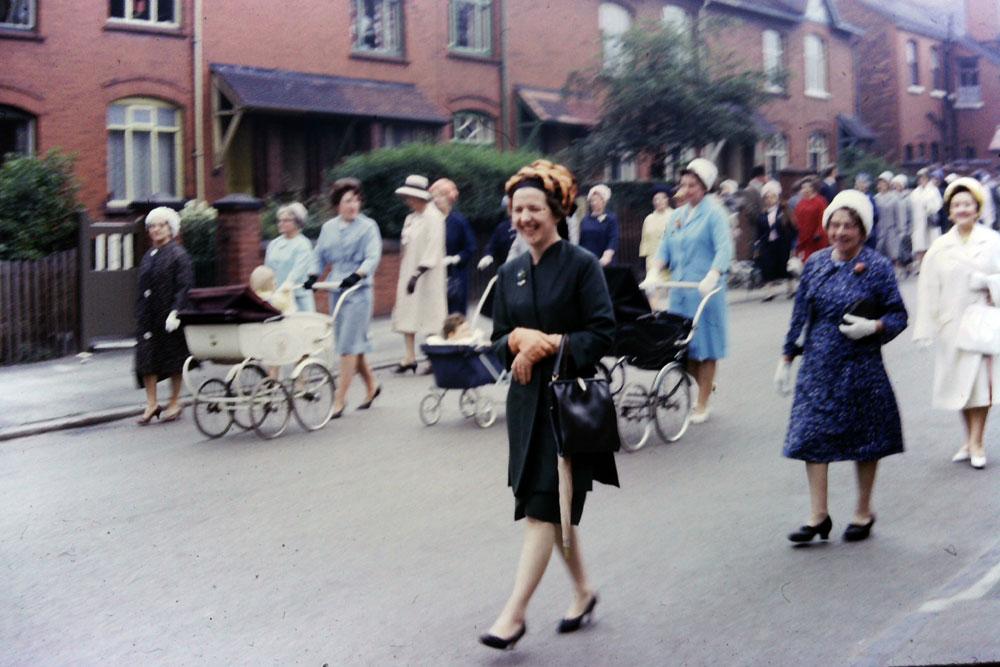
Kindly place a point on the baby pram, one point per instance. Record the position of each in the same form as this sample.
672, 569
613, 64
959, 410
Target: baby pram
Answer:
467, 367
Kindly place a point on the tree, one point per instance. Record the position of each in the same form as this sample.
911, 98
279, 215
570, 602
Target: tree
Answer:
39, 211
668, 91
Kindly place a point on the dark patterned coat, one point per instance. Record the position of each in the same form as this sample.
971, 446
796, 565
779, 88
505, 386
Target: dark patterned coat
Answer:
565, 293
165, 276
844, 407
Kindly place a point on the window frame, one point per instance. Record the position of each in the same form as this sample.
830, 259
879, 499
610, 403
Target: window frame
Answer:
937, 72
128, 7
155, 130
816, 11
813, 148
32, 23
482, 10
814, 70
912, 55
610, 43
775, 158
398, 48
30, 121
774, 71
486, 121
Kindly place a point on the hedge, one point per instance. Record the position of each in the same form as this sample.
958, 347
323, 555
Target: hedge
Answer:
39, 210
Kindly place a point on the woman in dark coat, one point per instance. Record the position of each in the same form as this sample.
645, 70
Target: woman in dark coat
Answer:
775, 236
844, 408
459, 244
554, 290
165, 276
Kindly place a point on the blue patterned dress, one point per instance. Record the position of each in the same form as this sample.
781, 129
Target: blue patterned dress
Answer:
844, 408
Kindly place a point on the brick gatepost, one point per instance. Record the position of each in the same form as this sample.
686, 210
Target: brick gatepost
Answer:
237, 238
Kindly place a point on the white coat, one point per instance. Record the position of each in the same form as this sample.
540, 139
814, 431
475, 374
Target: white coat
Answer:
943, 294
422, 245
925, 202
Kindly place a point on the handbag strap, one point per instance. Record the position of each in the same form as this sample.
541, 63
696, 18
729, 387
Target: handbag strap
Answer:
560, 366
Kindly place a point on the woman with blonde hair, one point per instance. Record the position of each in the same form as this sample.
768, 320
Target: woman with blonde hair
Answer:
290, 255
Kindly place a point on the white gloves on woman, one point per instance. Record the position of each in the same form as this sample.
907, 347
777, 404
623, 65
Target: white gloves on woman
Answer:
173, 322
451, 259
485, 262
855, 327
783, 377
709, 282
979, 280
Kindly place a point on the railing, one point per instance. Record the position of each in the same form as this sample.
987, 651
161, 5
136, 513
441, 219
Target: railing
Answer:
39, 314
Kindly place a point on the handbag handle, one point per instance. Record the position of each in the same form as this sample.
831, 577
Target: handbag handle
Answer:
560, 366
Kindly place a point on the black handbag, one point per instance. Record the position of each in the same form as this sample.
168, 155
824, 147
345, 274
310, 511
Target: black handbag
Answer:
583, 413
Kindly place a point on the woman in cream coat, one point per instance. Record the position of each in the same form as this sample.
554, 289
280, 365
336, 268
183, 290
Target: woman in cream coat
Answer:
961, 268
925, 202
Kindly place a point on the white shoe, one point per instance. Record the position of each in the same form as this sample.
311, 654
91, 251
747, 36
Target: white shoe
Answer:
978, 462
699, 416
961, 455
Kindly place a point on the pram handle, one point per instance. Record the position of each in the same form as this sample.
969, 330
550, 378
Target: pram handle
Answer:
701, 306
482, 301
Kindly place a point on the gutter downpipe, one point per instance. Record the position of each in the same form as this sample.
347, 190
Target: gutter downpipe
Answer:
506, 140
199, 94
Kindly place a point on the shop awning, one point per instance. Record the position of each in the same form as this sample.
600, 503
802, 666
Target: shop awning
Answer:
284, 91
855, 128
995, 142
551, 106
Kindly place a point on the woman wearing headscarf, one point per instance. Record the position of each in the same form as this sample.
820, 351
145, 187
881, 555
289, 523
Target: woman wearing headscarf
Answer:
554, 291
459, 244
351, 245
847, 307
698, 247
599, 228
290, 255
421, 303
961, 269
809, 220
775, 235
165, 276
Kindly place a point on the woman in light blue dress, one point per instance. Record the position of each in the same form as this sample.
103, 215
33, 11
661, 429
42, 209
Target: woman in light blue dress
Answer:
351, 245
697, 246
290, 255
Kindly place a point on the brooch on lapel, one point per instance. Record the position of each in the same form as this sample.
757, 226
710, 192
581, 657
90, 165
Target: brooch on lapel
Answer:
859, 268
522, 278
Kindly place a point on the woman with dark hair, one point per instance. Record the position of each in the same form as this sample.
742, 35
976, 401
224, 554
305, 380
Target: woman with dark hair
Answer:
555, 290
290, 255
847, 307
350, 244
961, 270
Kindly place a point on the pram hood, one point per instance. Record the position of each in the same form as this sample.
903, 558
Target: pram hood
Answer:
234, 304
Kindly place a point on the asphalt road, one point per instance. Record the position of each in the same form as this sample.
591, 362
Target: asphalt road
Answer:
381, 541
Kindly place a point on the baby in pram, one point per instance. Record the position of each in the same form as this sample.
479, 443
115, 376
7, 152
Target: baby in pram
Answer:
457, 331
262, 282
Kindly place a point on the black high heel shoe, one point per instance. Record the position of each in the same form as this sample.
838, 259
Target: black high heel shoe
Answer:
403, 368
807, 532
574, 624
859, 531
367, 404
500, 643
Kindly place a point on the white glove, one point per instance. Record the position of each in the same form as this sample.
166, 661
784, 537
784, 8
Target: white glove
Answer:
485, 262
979, 280
858, 327
173, 322
451, 259
709, 282
783, 377
794, 266
648, 283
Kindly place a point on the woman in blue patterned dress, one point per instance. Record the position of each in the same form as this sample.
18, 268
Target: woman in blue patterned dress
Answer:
847, 307
290, 255
351, 245
698, 247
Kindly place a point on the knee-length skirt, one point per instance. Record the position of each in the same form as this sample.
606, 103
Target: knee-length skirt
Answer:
351, 327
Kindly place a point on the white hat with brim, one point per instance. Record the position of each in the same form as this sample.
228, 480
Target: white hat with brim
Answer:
855, 200
415, 186
974, 187
704, 169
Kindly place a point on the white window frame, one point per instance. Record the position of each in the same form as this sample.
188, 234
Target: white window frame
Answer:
481, 30
913, 63
129, 127
609, 24
21, 5
818, 146
816, 67
393, 46
773, 49
816, 12
473, 127
129, 7
622, 169
776, 154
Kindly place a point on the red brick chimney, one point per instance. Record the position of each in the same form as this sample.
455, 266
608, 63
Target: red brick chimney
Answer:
982, 20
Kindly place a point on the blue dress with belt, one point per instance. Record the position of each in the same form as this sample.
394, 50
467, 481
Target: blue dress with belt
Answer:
348, 247
292, 260
697, 240
844, 407
458, 240
598, 234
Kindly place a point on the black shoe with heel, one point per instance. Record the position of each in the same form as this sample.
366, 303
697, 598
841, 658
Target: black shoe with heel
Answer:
859, 531
574, 624
807, 532
403, 368
367, 404
500, 643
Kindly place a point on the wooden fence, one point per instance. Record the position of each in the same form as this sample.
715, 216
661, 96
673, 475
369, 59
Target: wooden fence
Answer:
39, 311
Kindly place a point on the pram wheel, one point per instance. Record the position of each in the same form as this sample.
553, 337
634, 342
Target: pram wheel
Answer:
634, 419
613, 370
270, 408
430, 408
213, 414
672, 402
485, 414
468, 401
241, 386
312, 388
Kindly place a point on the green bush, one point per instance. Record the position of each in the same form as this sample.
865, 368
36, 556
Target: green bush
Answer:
478, 171
853, 161
198, 223
39, 210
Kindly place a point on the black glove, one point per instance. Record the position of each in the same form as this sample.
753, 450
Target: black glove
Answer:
310, 281
411, 286
350, 281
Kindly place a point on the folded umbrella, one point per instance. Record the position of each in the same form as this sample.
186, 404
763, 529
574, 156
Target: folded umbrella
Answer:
565, 468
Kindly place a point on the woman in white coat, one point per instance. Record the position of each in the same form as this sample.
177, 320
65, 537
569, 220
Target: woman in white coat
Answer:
925, 202
961, 268
421, 293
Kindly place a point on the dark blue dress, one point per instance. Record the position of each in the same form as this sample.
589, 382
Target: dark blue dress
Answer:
844, 408
599, 235
458, 240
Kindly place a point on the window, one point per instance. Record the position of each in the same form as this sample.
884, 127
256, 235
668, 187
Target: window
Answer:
816, 11
17, 132
472, 127
157, 12
817, 151
815, 51
17, 14
937, 74
399, 134
913, 62
922, 152
621, 169
970, 152
613, 21
144, 150
776, 154
677, 19
935, 151
376, 26
968, 94
472, 26
908, 153
774, 68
